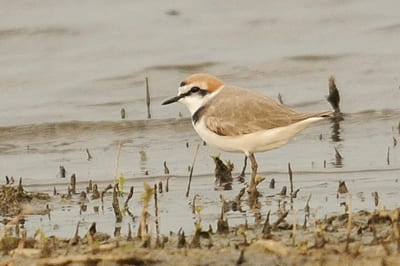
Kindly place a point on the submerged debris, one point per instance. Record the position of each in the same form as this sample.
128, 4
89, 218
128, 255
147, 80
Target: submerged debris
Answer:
342, 187
62, 171
13, 199
334, 97
223, 173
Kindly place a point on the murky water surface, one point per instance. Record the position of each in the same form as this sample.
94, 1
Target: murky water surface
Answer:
67, 69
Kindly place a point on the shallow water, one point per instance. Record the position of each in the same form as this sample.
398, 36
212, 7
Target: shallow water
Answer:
67, 68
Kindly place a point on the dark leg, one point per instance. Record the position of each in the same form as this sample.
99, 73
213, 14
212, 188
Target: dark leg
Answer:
242, 174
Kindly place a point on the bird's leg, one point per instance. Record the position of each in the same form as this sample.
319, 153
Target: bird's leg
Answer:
253, 171
242, 174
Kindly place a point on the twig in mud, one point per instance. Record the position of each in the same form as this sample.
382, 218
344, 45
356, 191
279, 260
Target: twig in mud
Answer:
20, 187
54, 191
240, 195
334, 97
160, 187
280, 219
117, 232
74, 240
128, 198
167, 185
283, 191
376, 198
194, 203
191, 169
272, 184
240, 260
115, 204
7, 180
95, 194
129, 238
89, 156
62, 171
280, 98
222, 225
104, 192
156, 211
388, 156
73, 184
307, 211
166, 170
267, 227
117, 163
148, 98
338, 158
123, 113
291, 184
181, 238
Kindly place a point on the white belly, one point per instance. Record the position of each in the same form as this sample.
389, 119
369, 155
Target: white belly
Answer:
259, 141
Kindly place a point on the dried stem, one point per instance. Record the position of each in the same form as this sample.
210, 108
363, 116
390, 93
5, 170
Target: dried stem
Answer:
117, 163
191, 169
115, 204
148, 98
291, 185
156, 210
73, 184
128, 198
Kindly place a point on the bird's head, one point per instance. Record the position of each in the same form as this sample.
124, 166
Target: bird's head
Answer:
196, 90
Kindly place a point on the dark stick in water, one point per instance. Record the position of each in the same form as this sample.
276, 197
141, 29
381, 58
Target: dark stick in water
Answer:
148, 98
334, 97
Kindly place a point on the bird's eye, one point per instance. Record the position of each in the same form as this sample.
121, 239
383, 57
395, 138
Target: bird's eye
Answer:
194, 89
182, 84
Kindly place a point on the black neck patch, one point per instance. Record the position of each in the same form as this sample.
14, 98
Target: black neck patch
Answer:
198, 114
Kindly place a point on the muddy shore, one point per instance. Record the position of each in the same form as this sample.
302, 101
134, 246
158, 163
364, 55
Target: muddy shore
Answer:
349, 238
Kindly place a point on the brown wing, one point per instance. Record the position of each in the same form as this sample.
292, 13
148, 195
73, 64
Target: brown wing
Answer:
253, 112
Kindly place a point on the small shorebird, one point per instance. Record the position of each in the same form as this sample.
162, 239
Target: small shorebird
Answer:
234, 119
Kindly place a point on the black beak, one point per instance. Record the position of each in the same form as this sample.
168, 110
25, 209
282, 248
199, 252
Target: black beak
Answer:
172, 100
